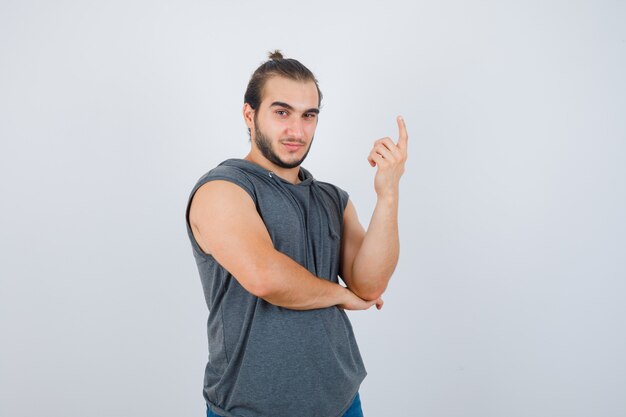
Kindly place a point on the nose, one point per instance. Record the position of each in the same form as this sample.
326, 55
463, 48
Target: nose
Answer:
296, 129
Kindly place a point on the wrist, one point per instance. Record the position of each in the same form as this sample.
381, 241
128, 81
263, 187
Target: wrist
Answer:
342, 295
391, 188
388, 196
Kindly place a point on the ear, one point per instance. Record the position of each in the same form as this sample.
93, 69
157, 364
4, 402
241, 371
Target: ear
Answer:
248, 116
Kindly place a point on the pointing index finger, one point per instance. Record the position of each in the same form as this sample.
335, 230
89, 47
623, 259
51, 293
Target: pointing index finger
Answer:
403, 137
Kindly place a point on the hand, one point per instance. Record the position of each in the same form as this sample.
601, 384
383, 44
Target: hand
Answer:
390, 158
354, 302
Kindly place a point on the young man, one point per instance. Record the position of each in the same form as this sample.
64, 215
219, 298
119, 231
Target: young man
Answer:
270, 242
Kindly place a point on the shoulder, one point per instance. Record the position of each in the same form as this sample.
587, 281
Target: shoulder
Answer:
229, 173
219, 201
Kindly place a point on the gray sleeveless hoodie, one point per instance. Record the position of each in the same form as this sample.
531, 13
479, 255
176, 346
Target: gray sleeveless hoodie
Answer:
266, 360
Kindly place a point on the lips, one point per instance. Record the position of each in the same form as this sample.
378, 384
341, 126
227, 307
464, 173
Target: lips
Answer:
293, 146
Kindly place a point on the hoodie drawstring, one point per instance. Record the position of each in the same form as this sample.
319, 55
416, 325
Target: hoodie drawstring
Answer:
301, 218
320, 205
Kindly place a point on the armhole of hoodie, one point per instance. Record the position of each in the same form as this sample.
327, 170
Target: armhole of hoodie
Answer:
344, 197
343, 203
229, 174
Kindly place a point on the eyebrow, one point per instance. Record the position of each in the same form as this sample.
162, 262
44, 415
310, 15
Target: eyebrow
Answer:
290, 107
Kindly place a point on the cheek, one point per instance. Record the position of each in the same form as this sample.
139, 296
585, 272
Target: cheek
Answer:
274, 126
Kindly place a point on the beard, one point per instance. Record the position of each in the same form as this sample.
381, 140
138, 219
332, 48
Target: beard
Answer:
265, 146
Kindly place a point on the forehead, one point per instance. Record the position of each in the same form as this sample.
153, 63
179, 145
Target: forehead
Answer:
300, 94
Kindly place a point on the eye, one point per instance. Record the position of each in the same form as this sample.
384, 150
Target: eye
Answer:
310, 115
281, 112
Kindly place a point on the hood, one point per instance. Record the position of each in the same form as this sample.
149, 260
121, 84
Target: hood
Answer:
306, 178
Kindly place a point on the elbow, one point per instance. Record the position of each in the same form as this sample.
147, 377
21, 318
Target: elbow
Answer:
369, 287
370, 284
372, 296
265, 289
263, 286
257, 280
268, 276
370, 293
259, 289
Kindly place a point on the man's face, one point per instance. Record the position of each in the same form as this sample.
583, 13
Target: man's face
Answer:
285, 122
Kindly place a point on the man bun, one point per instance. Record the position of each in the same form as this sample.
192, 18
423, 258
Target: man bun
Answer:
276, 55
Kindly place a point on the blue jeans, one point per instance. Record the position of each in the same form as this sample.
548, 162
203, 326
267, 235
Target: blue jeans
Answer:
353, 411
355, 408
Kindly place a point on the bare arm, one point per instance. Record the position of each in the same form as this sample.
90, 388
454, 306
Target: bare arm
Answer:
225, 223
369, 258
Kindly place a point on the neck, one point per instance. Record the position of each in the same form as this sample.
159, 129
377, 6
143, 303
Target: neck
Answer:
288, 174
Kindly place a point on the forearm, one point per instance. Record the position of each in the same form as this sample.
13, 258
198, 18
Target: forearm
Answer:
377, 257
285, 283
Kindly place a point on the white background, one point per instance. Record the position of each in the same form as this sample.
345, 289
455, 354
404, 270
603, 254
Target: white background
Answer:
509, 298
